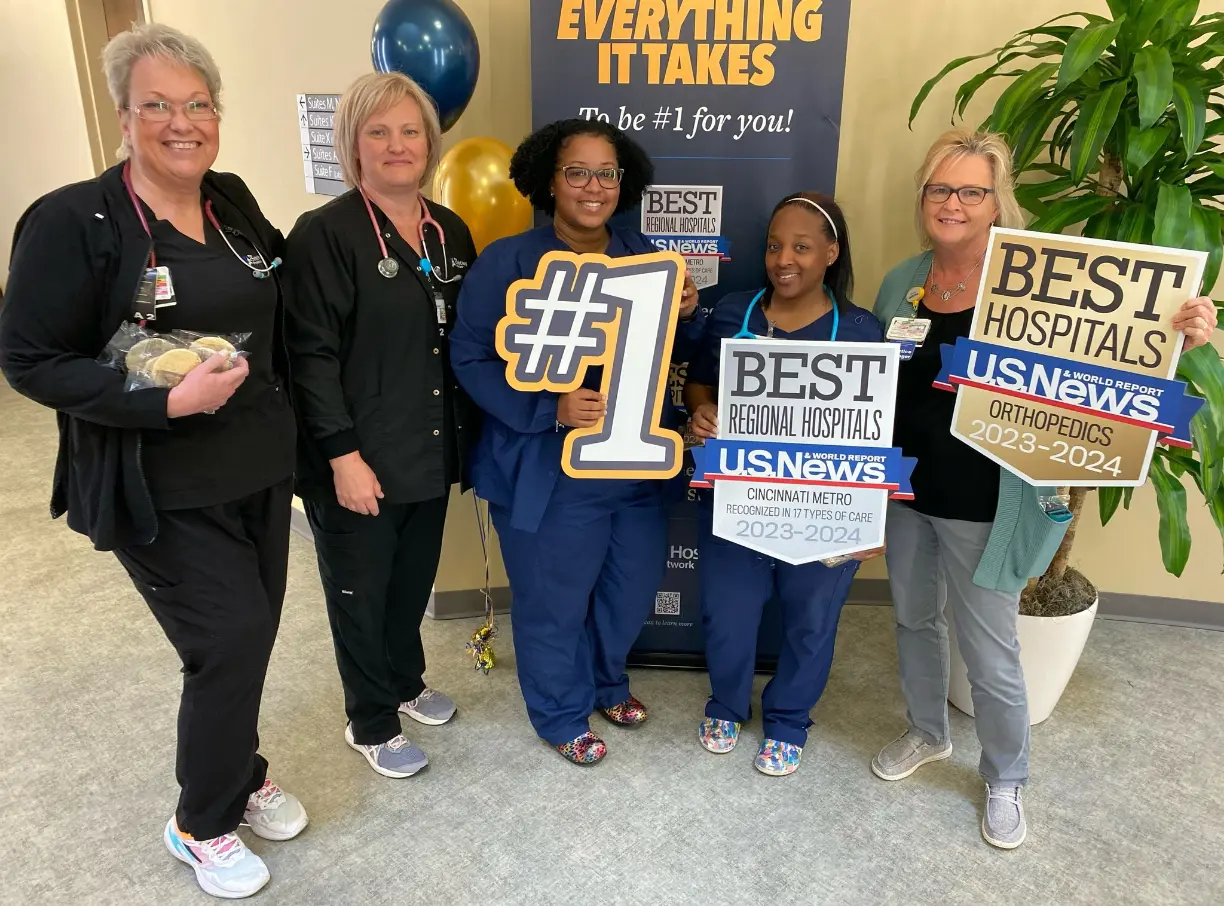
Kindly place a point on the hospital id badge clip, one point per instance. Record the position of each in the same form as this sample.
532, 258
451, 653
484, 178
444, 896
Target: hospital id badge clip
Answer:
909, 333
440, 307
144, 305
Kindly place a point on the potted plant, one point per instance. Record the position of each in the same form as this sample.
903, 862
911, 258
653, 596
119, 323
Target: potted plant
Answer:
1114, 123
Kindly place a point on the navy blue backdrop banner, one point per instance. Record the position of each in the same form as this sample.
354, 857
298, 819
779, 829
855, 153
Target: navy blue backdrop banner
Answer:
738, 102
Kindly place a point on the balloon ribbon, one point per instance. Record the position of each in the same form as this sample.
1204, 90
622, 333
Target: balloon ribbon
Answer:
481, 645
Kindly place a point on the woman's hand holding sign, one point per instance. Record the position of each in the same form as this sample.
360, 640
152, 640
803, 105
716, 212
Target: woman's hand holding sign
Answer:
705, 420
1196, 319
688, 296
581, 408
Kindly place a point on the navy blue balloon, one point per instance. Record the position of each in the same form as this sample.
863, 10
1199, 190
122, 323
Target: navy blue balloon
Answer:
432, 42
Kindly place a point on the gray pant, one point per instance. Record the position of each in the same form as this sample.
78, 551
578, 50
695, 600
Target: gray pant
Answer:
932, 560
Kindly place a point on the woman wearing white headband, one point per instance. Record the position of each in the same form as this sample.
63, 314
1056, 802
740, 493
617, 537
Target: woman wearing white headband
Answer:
807, 259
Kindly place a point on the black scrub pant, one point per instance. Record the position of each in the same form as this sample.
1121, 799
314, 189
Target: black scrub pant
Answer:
215, 580
377, 573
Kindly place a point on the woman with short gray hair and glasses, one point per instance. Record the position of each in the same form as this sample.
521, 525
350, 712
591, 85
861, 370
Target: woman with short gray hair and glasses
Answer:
189, 480
973, 530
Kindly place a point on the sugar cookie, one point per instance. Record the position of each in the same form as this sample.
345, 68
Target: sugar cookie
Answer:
171, 367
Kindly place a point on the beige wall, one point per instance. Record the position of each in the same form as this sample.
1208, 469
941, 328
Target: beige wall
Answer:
46, 144
271, 50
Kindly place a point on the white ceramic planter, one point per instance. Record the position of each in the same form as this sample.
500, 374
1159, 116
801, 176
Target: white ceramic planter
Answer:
1050, 647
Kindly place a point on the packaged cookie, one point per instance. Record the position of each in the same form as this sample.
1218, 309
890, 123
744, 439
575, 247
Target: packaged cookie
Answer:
152, 359
206, 345
169, 368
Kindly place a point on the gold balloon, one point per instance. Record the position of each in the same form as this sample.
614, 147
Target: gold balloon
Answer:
473, 180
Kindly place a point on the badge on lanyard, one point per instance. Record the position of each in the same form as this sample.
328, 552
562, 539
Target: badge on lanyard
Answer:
163, 291
440, 307
909, 333
144, 306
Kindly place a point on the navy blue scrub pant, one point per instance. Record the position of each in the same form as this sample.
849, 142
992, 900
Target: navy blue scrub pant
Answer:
582, 585
736, 584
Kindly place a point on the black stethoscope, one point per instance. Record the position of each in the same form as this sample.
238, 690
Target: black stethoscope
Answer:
746, 334
389, 267
259, 272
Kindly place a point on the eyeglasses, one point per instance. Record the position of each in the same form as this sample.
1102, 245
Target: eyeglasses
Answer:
580, 177
163, 111
969, 195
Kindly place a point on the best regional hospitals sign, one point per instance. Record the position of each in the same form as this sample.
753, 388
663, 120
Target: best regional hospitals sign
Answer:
803, 465
1067, 375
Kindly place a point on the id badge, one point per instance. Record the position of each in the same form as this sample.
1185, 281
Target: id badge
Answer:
913, 329
164, 289
144, 306
440, 308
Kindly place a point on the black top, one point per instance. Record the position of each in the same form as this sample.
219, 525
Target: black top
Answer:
248, 445
370, 362
951, 479
79, 255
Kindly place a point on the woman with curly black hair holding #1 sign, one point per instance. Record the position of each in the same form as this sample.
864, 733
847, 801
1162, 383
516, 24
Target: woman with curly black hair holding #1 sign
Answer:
585, 557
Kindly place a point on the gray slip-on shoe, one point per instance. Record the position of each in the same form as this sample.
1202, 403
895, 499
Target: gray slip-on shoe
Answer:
1003, 823
906, 754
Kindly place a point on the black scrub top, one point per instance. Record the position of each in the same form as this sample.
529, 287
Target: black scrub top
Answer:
951, 479
369, 355
248, 444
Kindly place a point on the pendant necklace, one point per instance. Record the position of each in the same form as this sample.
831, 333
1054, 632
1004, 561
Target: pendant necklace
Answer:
947, 294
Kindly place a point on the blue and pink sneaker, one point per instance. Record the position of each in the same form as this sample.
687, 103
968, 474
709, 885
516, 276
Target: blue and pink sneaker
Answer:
274, 814
778, 758
223, 866
718, 736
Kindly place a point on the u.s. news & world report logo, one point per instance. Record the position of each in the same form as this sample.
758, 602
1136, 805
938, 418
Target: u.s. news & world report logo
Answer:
688, 220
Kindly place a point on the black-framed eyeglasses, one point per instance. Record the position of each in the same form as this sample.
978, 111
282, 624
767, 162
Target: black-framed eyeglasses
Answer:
580, 177
163, 111
968, 195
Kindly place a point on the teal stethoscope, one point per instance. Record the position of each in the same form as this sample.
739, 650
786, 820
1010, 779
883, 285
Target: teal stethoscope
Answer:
746, 334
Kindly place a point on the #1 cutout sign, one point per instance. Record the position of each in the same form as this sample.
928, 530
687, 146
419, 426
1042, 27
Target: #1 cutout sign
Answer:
1067, 376
584, 311
803, 466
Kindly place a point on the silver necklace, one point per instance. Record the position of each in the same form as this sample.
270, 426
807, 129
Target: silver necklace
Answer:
947, 294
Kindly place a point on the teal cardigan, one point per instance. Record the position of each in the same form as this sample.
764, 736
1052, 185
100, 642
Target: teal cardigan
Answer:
1023, 539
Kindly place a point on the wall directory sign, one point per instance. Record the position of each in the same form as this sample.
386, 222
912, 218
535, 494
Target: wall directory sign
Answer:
315, 113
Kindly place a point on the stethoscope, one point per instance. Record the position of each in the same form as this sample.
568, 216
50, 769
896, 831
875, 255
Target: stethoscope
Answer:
259, 272
746, 334
389, 267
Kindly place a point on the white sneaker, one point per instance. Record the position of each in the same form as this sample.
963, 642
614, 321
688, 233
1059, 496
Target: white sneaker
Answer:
274, 814
224, 867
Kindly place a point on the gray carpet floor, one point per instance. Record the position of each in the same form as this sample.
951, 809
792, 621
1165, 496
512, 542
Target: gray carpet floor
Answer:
1126, 804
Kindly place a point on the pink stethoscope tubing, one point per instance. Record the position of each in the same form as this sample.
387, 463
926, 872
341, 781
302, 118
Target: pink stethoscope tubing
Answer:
426, 264
260, 272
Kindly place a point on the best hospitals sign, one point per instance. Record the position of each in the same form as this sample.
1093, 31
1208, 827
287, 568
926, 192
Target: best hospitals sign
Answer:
1067, 375
804, 465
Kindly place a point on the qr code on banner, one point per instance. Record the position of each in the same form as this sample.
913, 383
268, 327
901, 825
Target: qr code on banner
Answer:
667, 604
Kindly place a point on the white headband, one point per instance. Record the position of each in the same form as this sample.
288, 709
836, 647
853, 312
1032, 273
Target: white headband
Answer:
836, 238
